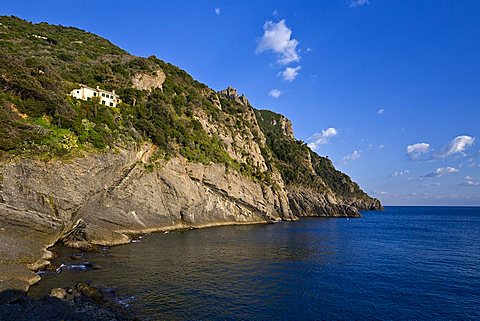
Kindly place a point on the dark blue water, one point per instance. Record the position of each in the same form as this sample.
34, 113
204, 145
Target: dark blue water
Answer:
402, 263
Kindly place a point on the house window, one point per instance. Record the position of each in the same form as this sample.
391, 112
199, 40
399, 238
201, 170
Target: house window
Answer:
95, 94
78, 91
103, 95
111, 104
103, 102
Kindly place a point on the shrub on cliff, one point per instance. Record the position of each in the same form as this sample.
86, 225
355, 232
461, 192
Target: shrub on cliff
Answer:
299, 165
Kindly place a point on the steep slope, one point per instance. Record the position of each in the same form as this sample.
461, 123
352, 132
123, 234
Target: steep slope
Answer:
174, 154
315, 187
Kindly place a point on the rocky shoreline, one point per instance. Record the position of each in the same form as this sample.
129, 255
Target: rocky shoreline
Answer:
79, 302
104, 199
175, 154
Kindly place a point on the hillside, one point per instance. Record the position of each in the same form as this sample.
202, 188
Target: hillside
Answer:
174, 154
311, 180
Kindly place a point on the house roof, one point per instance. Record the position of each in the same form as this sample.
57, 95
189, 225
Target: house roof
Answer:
100, 90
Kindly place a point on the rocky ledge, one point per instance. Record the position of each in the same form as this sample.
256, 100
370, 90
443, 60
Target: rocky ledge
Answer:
307, 203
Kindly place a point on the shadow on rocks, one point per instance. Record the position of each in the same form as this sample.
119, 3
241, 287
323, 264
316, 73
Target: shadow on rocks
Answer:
79, 302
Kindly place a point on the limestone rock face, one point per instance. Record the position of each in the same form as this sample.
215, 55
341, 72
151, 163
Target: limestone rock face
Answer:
286, 126
314, 186
149, 81
242, 144
307, 203
102, 198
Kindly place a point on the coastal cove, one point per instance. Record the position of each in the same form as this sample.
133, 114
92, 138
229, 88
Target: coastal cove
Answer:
276, 160
401, 263
167, 152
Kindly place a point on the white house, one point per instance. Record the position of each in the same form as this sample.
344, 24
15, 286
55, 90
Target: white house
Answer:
108, 98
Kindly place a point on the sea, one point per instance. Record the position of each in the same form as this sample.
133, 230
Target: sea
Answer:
403, 263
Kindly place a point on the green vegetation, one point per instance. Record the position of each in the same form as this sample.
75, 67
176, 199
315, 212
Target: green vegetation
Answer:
41, 63
299, 165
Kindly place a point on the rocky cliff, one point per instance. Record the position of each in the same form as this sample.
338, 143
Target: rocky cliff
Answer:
103, 198
174, 155
314, 187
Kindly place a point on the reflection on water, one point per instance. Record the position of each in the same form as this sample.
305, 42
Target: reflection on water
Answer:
394, 264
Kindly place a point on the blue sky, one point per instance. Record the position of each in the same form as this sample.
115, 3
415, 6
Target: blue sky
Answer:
389, 90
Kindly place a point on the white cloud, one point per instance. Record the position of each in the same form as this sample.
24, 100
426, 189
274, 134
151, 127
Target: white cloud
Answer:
358, 3
445, 170
456, 146
416, 150
275, 93
218, 11
322, 138
290, 73
439, 172
277, 38
380, 111
351, 157
470, 182
400, 173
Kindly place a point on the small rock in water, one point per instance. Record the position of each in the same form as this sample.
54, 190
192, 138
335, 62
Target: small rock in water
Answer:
58, 293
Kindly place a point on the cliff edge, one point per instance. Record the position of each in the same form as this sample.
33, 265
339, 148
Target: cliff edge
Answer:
173, 154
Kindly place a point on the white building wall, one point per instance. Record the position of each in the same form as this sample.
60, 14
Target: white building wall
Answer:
86, 93
107, 99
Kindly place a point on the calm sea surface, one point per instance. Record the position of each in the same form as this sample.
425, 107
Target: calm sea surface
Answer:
402, 263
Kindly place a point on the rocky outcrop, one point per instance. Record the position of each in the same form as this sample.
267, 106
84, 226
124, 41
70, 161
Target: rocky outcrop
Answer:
245, 165
149, 81
314, 186
372, 204
285, 125
103, 198
308, 203
242, 144
232, 93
